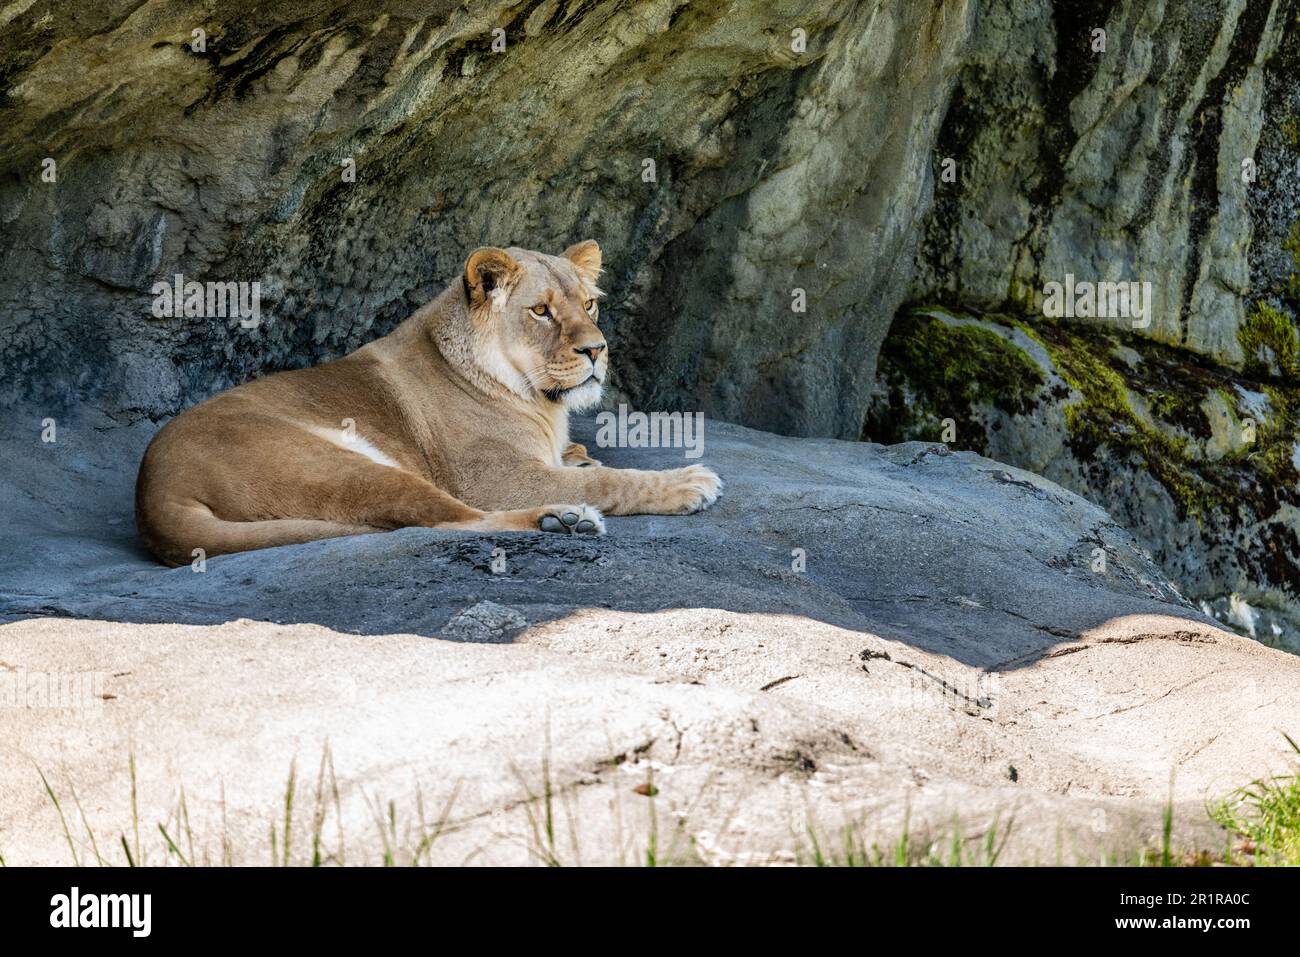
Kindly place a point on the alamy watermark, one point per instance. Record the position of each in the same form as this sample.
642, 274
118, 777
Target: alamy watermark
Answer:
654, 430
51, 689
219, 300
130, 911
1085, 299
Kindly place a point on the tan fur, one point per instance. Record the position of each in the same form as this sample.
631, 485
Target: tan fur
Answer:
468, 398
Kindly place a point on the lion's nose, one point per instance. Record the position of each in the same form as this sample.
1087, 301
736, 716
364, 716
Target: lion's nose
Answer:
591, 351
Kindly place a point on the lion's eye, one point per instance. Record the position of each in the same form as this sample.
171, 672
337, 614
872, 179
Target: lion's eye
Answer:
590, 306
541, 310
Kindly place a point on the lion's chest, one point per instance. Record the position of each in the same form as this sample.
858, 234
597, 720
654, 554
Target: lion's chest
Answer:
558, 429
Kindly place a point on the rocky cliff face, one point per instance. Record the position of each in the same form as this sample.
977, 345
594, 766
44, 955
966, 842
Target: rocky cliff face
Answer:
725, 155
1169, 158
728, 157
1138, 141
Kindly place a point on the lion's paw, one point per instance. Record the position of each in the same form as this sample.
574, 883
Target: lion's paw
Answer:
692, 489
571, 520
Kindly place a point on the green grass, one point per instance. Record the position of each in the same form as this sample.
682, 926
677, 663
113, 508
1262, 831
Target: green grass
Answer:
848, 847
1265, 817
1261, 822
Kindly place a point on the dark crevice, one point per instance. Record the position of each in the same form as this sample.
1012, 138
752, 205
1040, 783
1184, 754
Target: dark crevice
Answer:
1207, 131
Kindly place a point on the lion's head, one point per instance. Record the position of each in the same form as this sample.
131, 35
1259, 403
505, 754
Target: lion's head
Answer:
534, 322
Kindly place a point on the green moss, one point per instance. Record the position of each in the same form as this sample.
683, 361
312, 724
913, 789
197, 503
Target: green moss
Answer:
1022, 295
1268, 339
1150, 412
1291, 131
1132, 406
1256, 478
1292, 245
936, 370
971, 363
1104, 417
1167, 405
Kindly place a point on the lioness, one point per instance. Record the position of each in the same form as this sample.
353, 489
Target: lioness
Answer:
456, 419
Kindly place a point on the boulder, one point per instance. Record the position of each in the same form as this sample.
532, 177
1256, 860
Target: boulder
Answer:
906, 641
1198, 460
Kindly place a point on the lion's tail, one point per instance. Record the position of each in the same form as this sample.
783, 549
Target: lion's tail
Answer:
175, 533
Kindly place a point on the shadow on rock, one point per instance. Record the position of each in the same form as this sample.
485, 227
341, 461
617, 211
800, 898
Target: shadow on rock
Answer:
951, 553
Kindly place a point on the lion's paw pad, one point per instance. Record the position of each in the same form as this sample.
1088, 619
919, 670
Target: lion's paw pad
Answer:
572, 520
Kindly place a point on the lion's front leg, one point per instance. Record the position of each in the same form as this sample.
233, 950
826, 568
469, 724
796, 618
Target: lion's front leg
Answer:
613, 491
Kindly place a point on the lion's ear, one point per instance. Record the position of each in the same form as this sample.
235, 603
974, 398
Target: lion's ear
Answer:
585, 257
487, 270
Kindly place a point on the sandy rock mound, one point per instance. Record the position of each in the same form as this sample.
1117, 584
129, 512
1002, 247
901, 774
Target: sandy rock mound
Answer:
900, 639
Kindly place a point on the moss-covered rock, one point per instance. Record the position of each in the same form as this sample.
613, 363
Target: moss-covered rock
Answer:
1268, 341
1199, 460
961, 367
